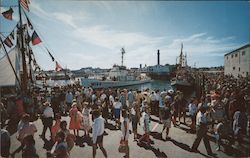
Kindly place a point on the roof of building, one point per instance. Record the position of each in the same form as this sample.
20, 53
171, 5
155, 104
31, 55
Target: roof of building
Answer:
245, 46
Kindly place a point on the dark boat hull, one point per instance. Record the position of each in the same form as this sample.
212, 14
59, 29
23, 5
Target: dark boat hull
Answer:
155, 76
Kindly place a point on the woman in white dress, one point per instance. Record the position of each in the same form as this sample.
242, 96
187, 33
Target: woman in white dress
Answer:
86, 121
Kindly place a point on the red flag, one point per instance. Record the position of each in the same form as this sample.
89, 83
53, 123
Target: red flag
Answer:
24, 4
8, 42
58, 67
8, 14
35, 38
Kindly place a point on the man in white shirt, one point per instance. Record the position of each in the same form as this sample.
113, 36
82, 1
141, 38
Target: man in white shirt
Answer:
117, 111
98, 130
201, 127
47, 118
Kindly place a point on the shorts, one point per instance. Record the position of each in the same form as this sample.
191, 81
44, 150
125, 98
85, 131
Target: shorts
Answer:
134, 122
167, 123
48, 121
161, 112
99, 139
117, 113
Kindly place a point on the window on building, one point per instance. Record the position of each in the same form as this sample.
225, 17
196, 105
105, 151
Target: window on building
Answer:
246, 73
239, 68
236, 55
243, 53
233, 68
232, 56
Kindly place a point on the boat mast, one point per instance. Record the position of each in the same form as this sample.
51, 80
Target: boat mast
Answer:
24, 76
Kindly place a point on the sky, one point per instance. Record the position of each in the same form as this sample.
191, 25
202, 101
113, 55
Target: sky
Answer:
91, 33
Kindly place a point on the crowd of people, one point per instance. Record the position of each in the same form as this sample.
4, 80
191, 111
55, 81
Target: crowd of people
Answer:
222, 110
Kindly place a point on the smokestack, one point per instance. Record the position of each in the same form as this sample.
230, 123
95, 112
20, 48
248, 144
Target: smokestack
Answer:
158, 57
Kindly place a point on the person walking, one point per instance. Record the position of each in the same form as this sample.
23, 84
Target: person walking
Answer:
70, 138
75, 119
47, 119
117, 110
201, 127
130, 97
192, 108
98, 131
26, 129
61, 146
135, 116
146, 125
56, 127
166, 118
85, 124
68, 99
125, 132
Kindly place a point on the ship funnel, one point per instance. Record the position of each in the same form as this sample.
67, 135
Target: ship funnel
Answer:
158, 57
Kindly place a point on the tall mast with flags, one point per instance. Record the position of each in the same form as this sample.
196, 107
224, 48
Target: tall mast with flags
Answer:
24, 51
24, 75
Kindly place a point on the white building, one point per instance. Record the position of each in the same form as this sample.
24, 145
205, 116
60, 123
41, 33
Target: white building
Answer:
237, 62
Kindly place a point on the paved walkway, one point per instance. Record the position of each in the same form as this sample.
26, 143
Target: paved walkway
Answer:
176, 147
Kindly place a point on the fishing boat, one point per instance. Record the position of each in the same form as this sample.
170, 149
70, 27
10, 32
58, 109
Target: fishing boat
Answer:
183, 80
118, 76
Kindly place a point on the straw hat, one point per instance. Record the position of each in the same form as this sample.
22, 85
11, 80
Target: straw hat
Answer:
74, 104
47, 103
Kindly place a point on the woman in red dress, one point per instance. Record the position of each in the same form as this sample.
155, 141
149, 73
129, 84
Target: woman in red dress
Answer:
75, 119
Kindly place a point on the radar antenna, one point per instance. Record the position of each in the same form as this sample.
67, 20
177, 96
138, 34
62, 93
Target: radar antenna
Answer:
123, 52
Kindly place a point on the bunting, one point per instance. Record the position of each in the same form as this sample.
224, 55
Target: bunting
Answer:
53, 59
58, 67
8, 14
8, 42
12, 35
35, 38
25, 4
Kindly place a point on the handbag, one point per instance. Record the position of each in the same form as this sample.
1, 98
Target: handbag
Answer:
122, 147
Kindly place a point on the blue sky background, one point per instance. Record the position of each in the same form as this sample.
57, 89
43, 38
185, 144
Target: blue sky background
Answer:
91, 33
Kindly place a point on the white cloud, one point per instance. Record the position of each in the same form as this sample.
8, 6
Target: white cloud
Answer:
104, 36
66, 18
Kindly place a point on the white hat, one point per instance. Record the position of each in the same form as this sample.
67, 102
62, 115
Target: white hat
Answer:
171, 91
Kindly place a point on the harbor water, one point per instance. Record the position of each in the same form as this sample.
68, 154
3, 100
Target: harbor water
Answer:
153, 85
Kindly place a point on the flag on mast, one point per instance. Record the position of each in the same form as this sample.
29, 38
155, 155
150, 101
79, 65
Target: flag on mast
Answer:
8, 42
12, 35
25, 5
8, 14
35, 38
58, 67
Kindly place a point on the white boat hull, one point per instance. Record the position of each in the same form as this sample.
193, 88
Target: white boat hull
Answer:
96, 84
